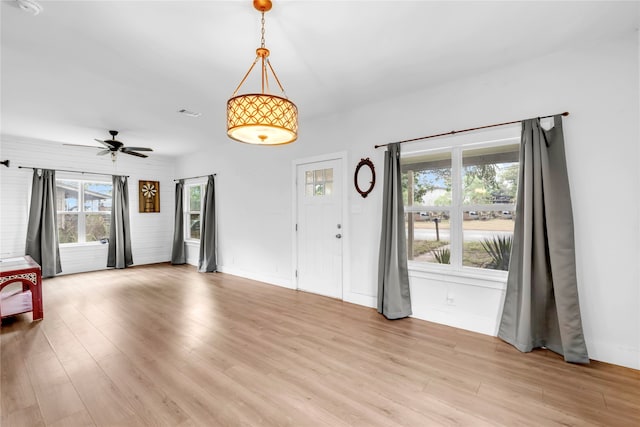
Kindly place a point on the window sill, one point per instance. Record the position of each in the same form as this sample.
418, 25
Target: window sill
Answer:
82, 245
192, 242
469, 276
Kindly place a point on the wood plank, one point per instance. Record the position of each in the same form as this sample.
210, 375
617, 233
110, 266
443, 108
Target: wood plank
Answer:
152, 404
59, 401
29, 416
79, 419
165, 345
17, 390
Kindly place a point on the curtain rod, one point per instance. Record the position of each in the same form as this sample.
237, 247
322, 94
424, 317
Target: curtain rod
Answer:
194, 177
65, 170
453, 132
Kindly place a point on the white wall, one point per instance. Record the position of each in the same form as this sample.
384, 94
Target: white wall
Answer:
638, 186
598, 83
151, 233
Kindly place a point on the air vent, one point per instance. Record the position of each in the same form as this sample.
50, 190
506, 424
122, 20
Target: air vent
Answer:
189, 113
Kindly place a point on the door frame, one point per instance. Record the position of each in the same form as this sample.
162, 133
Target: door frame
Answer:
346, 253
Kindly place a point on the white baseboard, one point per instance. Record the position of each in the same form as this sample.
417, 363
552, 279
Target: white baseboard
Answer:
272, 280
479, 324
615, 354
365, 300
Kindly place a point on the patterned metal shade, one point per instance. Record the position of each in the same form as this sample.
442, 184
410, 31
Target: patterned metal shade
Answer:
262, 119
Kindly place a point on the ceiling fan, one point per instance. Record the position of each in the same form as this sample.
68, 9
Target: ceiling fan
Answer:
114, 147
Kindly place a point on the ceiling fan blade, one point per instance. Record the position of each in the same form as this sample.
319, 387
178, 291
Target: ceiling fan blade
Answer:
105, 143
103, 152
135, 149
133, 153
78, 145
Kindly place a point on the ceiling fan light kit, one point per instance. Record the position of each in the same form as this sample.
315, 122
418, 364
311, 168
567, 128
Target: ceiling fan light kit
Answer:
262, 118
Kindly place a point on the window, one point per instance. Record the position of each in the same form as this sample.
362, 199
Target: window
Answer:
84, 210
460, 205
318, 182
194, 195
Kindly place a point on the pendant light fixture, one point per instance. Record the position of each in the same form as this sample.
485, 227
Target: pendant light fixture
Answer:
262, 118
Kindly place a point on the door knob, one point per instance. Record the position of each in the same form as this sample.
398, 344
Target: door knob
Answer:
338, 236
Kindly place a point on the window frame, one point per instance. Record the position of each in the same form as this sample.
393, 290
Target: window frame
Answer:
457, 208
187, 208
81, 213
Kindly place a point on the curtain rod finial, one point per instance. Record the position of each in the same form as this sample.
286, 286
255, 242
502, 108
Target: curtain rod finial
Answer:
566, 113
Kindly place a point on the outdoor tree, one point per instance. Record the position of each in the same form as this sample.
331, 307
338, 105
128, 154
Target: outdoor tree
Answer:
426, 181
479, 183
419, 190
97, 227
67, 228
195, 198
508, 180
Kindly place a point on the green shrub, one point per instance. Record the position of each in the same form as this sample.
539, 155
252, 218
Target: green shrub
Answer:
443, 256
499, 249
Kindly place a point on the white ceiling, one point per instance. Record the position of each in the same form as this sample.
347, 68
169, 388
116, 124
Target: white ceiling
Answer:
82, 67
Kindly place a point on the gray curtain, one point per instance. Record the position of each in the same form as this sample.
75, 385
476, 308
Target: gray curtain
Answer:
42, 229
541, 307
208, 246
394, 299
178, 252
120, 234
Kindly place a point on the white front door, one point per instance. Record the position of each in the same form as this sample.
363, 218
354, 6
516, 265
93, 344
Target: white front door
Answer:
319, 227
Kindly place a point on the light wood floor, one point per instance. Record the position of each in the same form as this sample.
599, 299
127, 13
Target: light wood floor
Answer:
163, 345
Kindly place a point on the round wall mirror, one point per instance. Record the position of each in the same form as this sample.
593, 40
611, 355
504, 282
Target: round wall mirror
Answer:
365, 177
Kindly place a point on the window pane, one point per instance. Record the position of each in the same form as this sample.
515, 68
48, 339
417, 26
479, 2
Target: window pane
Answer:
428, 179
490, 175
490, 178
328, 175
487, 239
97, 226
318, 176
428, 236
308, 190
319, 191
67, 196
67, 228
97, 197
194, 226
195, 197
308, 177
328, 188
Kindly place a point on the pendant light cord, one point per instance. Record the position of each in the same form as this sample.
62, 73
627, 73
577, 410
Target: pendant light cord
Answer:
262, 32
265, 76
